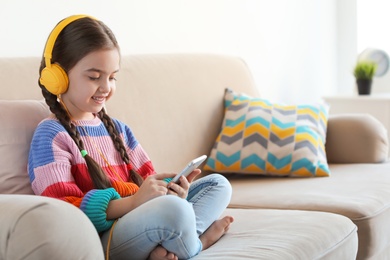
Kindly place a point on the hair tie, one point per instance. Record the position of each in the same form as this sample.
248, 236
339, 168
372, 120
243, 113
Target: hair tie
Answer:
129, 166
83, 153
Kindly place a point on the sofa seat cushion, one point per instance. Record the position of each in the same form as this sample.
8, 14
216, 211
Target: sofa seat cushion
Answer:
285, 234
360, 192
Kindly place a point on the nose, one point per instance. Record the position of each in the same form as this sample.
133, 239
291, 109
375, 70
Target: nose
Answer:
105, 86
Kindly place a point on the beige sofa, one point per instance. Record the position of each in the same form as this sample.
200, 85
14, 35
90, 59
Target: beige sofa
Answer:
174, 104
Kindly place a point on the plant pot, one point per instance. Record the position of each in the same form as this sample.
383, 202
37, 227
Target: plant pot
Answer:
364, 86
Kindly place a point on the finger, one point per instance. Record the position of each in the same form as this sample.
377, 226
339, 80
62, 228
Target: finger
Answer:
162, 183
184, 183
163, 190
166, 177
172, 192
177, 190
173, 187
193, 174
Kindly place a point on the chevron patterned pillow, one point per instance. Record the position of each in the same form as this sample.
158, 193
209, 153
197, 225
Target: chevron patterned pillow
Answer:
259, 137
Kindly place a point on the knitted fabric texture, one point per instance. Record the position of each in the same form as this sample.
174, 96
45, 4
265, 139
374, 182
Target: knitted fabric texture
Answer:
57, 169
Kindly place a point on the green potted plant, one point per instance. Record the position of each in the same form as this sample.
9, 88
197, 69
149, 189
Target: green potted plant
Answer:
364, 71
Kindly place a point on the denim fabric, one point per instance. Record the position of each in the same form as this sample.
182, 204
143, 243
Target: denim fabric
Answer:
170, 221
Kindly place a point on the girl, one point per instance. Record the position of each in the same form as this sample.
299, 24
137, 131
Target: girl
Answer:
83, 156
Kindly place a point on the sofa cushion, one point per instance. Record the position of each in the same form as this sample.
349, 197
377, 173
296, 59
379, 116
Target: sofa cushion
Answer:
18, 120
38, 228
360, 192
285, 234
260, 137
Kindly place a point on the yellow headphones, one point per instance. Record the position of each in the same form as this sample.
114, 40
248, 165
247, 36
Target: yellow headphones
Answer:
53, 77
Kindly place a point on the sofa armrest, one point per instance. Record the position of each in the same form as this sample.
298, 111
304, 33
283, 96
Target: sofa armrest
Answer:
356, 138
35, 227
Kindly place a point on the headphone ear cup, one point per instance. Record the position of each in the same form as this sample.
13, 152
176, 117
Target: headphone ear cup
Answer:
54, 79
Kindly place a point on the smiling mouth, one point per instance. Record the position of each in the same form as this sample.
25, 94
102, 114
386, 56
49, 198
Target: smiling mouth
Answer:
99, 99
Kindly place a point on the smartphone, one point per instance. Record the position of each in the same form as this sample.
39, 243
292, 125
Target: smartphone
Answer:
191, 166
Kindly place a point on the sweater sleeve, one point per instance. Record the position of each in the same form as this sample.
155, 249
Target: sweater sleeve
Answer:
94, 205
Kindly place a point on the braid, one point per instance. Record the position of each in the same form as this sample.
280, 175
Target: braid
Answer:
119, 145
96, 172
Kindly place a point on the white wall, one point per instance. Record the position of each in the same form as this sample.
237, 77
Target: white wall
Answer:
292, 47
373, 25
346, 46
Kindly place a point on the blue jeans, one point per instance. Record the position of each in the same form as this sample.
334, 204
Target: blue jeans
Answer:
170, 221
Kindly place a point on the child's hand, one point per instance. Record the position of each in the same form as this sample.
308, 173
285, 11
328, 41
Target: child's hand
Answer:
182, 188
152, 187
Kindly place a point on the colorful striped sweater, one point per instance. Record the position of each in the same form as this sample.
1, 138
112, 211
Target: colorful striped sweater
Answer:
57, 169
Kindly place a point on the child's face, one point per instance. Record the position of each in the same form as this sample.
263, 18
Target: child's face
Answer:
91, 83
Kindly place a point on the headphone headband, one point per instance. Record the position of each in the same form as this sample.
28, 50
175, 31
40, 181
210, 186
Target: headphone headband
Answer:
54, 34
53, 76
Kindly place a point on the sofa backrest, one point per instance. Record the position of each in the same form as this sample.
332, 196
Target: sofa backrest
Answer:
172, 102
19, 78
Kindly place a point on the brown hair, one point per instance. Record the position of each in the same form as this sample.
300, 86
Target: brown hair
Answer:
75, 41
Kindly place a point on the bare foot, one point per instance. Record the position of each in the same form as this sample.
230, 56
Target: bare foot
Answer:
160, 253
215, 231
